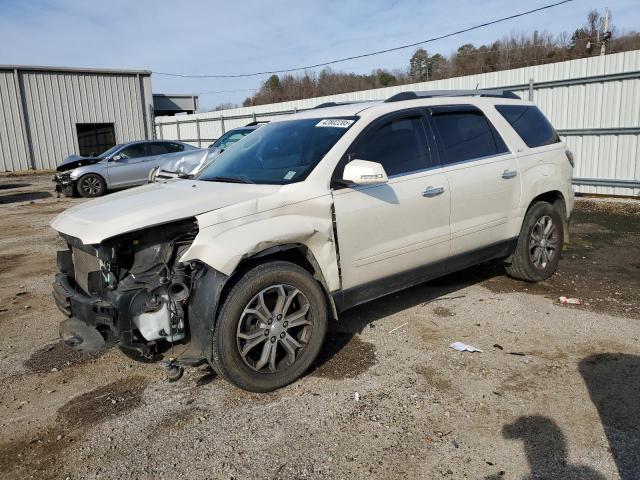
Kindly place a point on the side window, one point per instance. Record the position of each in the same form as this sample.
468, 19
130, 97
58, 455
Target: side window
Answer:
232, 139
529, 122
465, 135
174, 147
134, 151
400, 145
158, 148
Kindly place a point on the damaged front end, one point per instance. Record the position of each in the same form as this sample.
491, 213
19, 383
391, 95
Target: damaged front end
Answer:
64, 183
131, 290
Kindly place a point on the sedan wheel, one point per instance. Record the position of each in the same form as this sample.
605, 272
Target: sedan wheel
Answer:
91, 185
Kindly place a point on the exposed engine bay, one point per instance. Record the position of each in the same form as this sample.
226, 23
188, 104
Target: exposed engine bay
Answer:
131, 289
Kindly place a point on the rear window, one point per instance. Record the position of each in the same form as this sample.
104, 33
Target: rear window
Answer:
465, 135
530, 123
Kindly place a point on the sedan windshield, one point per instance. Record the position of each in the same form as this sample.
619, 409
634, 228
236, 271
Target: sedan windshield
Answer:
278, 153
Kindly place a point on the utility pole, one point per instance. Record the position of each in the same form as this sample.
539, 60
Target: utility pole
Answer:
605, 34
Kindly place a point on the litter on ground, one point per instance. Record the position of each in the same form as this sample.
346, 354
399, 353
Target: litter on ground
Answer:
463, 347
570, 301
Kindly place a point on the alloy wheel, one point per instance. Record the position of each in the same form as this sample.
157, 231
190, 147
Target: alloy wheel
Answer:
543, 242
90, 185
274, 328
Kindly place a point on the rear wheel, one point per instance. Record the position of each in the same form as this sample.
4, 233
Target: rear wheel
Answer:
539, 245
91, 185
270, 328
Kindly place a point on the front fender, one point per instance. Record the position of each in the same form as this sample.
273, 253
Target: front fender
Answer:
98, 168
223, 248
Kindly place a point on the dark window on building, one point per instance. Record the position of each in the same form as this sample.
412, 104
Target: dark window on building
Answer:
159, 148
466, 135
134, 151
95, 138
400, 145
530, 123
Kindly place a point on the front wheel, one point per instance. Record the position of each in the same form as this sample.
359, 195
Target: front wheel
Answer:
91, 185
270, 327
539, 245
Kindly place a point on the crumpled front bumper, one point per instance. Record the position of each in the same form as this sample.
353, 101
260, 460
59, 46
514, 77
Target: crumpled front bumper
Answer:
92, 323
74, 303
64, 184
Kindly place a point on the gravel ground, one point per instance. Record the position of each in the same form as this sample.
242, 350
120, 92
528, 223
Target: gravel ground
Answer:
553, 395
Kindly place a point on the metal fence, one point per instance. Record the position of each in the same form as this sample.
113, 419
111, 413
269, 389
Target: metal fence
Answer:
593, 102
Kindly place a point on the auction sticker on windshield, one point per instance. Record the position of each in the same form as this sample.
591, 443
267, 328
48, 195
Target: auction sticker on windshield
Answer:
334, 122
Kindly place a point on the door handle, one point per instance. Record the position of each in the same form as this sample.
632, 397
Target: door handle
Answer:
509, 174
433, 191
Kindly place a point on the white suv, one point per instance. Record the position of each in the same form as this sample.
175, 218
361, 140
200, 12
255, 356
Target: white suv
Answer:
308, 216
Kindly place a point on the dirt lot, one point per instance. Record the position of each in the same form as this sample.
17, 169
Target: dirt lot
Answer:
555, 393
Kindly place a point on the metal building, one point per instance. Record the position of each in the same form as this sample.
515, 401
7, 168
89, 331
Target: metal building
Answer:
173, 103
48, 113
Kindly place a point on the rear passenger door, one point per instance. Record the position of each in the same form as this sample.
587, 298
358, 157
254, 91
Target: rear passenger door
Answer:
482, 174
394, 229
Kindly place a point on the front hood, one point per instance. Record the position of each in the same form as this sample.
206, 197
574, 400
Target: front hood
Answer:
152, 204
75, 161
187, 162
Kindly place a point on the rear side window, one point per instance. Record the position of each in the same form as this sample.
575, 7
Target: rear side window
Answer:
400, 145
529, 122
174, 147
465, 135
158, 148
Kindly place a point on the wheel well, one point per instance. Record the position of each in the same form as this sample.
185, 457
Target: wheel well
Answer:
294, 253
556, 199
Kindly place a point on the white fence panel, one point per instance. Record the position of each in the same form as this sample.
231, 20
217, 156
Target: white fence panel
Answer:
593, 102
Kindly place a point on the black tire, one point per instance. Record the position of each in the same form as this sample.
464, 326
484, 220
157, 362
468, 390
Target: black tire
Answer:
152, 174
227, 359
528, 260
91, 185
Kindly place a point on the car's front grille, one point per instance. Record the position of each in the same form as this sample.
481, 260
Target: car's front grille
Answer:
83, 264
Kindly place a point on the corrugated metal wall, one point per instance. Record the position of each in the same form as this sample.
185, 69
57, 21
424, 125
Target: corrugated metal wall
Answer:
54, 101
13, 151
593, 102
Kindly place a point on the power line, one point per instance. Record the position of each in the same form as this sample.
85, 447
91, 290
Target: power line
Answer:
371, 54
227, 91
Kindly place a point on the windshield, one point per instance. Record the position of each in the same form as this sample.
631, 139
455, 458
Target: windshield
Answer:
230, 137
110, 152
278, 153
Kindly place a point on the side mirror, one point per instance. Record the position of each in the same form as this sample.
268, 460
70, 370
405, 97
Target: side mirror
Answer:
116, 158
363, 172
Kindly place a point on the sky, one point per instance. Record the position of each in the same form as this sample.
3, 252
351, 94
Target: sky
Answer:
231, 37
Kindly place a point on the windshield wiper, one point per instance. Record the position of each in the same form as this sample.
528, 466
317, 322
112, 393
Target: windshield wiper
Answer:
230, 179
185, 175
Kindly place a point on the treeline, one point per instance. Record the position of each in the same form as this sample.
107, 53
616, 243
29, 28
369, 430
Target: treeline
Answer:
510, 52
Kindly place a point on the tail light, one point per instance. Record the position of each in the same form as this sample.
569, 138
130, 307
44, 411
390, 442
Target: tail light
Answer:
569, 154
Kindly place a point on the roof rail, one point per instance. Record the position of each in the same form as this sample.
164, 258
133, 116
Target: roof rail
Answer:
337, 104
257, 122
399, 97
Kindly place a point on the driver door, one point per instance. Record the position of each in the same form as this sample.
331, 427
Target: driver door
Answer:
129, 166
393, 235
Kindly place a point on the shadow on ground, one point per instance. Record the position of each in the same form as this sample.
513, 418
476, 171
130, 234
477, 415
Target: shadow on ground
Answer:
613, 381
344, 355
546, 450
23, 197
